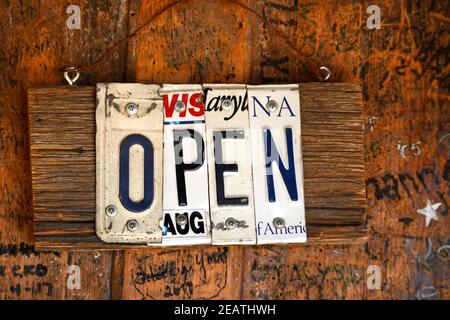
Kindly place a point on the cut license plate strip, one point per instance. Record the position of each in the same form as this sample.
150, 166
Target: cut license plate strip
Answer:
129, 161
229, 161
277, 163
186, 202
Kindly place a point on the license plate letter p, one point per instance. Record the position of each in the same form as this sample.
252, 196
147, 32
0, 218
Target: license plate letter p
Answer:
186, 199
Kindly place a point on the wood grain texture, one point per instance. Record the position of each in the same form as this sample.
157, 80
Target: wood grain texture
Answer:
63, 153
402, 69
63, 165
36, 46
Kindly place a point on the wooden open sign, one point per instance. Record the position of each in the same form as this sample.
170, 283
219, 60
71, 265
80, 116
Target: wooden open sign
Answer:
62, 143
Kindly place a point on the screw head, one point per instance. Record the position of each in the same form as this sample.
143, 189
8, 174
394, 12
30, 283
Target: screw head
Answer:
111, 211
226, 104
132, 225
181, 220
180, 106
272, 105
278, 223
200, 98
131, 109
231, 223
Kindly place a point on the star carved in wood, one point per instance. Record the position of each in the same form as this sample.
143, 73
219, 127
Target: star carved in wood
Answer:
430, 212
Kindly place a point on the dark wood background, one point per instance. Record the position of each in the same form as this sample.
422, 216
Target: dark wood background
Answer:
404, 72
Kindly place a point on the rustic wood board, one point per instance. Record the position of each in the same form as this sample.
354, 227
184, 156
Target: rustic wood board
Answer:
403, 71
63, 165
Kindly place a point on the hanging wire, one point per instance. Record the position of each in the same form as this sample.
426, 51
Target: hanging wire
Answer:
322, 73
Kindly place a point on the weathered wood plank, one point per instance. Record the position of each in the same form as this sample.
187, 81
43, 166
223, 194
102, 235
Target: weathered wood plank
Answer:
63, 166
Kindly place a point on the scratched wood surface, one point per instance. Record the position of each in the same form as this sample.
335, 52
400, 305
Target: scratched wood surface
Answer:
402, 68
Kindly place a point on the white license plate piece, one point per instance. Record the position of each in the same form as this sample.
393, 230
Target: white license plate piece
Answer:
274, 112
229, 161
129, 163
186, 218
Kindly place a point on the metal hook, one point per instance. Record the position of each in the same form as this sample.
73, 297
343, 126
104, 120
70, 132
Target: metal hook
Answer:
328, 73
443, 254
71, 79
